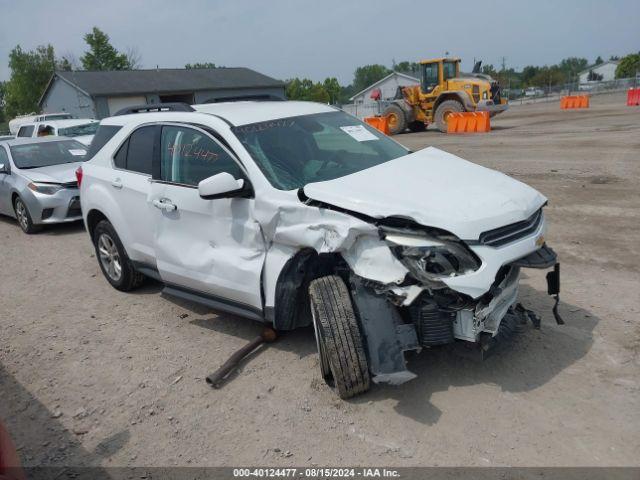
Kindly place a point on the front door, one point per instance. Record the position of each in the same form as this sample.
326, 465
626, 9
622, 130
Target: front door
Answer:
213, 247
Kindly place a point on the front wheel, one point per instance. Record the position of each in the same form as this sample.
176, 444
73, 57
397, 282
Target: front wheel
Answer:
24, 217
113, 259
396, 119
343, 362
444, 110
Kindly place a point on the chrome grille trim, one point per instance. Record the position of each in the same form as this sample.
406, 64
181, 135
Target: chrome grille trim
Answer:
510, 233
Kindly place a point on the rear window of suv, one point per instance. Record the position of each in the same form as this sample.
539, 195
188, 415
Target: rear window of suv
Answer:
102, 136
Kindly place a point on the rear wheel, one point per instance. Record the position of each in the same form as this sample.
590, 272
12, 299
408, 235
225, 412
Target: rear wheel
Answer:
114, 262
24, 217
396, 119
343, 362
444, 110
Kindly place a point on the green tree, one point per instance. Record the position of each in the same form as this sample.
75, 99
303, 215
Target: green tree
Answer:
333, 88
599, 60
407, 67
614, 58
629, 66
305, 89
548, 77
192, 66
3, 118
489, 70
30, 73
572, 66
102, 55
368, 74
528, 73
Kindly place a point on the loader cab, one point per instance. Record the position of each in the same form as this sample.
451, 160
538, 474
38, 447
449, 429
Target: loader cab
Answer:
436, 72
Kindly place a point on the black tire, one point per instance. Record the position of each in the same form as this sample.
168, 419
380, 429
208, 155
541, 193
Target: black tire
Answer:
342, 356
24, 217
396, 119
107, 242
446, 107
417, 126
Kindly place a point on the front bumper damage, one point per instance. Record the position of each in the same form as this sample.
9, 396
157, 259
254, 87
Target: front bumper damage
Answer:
392, 326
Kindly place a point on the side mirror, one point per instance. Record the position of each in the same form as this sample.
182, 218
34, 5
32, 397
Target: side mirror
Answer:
223, 185
4, 168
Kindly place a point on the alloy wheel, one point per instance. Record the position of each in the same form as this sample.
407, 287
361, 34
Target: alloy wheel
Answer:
22, 215
109, 257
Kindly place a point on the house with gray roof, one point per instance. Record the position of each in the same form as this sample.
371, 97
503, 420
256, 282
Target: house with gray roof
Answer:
87, 94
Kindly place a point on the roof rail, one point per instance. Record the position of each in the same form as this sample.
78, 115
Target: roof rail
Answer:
156, 107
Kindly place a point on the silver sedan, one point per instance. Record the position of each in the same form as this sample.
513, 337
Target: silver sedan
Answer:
38, 182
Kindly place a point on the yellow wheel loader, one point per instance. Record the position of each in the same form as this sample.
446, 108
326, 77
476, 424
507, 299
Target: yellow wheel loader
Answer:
442, 90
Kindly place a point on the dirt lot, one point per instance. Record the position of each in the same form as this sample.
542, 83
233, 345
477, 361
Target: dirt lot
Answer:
92, 376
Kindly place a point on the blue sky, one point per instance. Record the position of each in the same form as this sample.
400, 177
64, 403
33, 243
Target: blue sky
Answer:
316, 39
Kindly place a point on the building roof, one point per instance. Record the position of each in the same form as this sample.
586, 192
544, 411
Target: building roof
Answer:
400, 74
162, 80
594, 66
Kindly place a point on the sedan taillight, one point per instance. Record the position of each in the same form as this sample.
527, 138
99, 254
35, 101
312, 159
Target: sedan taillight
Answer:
79, 176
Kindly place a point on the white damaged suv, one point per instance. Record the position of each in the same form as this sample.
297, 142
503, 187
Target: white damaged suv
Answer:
297, 214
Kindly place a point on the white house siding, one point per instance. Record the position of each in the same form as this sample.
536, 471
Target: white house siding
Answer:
388, 88
607, 70
63, 97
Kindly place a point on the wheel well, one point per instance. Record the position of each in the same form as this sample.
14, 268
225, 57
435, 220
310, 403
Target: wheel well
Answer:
291, 309
93, 218
449, 96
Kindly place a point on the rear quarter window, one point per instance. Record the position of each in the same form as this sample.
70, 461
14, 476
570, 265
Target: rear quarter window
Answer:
26, 131
102, 136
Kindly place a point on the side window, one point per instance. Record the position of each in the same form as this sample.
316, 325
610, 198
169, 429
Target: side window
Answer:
26, 131
4, 158
120, 159
430, 77
140, 150
188, 156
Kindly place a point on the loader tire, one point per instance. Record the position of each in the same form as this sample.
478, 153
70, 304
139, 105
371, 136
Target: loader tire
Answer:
443, 111
396, 119
343, 360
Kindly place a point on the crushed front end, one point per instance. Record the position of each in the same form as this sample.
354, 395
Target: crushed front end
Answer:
454, 291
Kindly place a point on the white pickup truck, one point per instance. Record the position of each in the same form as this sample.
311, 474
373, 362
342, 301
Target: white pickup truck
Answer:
81, 129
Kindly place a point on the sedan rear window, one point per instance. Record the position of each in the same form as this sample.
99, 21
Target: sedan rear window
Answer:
34, 155
292, 152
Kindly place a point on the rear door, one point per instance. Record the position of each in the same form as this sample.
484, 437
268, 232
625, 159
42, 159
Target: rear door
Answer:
131, 185
213, 247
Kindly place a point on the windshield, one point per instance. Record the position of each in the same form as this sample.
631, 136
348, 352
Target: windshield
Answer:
77, 130
34, 155
292, 152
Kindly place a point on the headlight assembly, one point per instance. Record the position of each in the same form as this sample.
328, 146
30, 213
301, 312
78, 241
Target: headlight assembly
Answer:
44, 188
432, 258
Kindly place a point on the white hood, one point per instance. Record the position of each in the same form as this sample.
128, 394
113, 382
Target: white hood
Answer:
435, 189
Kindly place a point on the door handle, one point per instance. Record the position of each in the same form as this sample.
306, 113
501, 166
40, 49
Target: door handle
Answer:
164, 204
117, 183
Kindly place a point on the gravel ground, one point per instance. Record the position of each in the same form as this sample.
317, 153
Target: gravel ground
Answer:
92, 376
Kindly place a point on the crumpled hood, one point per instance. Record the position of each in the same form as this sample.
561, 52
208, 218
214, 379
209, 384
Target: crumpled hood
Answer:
436, 189
64, 173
